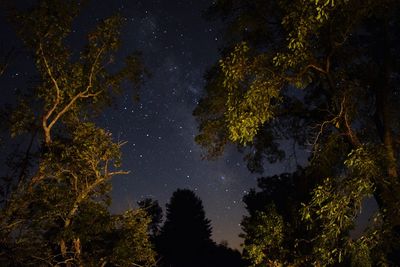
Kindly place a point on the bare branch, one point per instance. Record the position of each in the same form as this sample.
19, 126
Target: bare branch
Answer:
54, 81
342, 115
83, 94
92, 71
118, 173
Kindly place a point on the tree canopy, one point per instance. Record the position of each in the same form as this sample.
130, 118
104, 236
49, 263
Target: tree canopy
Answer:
324, 74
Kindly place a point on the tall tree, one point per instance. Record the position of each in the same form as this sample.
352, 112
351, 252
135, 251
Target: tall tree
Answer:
57, 196
323, 73
185, 238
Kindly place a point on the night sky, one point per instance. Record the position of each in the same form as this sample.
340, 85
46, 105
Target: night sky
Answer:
178, 46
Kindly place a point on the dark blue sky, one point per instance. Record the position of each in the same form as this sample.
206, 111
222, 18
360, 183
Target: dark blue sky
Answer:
178, 46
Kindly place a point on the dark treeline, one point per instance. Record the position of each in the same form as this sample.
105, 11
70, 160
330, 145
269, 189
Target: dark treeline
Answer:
185, 237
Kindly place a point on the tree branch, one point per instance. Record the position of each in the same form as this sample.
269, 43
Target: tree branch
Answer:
54, 81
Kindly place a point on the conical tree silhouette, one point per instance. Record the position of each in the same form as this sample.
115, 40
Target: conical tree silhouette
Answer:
185, 238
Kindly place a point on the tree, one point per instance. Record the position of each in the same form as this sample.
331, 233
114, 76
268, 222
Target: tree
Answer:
185, 238
154, 211
274, 231
322, 73
54, 210
133, 247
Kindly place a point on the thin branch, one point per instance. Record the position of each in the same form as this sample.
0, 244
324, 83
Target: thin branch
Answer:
350, 132
7, 60
85, 193
137, 265
118, 173
106, 168
313, 66
54, 81
43, 259
74, 176
321, 129
343, 114
324, 124
93, 67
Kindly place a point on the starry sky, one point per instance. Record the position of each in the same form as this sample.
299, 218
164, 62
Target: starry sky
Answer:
178, 46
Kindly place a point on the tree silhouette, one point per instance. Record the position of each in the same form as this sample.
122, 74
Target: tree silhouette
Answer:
185, 237
225, 256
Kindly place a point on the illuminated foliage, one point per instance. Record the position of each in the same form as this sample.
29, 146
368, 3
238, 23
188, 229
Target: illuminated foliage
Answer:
247, 109
264, 234
133, 246
274, 233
